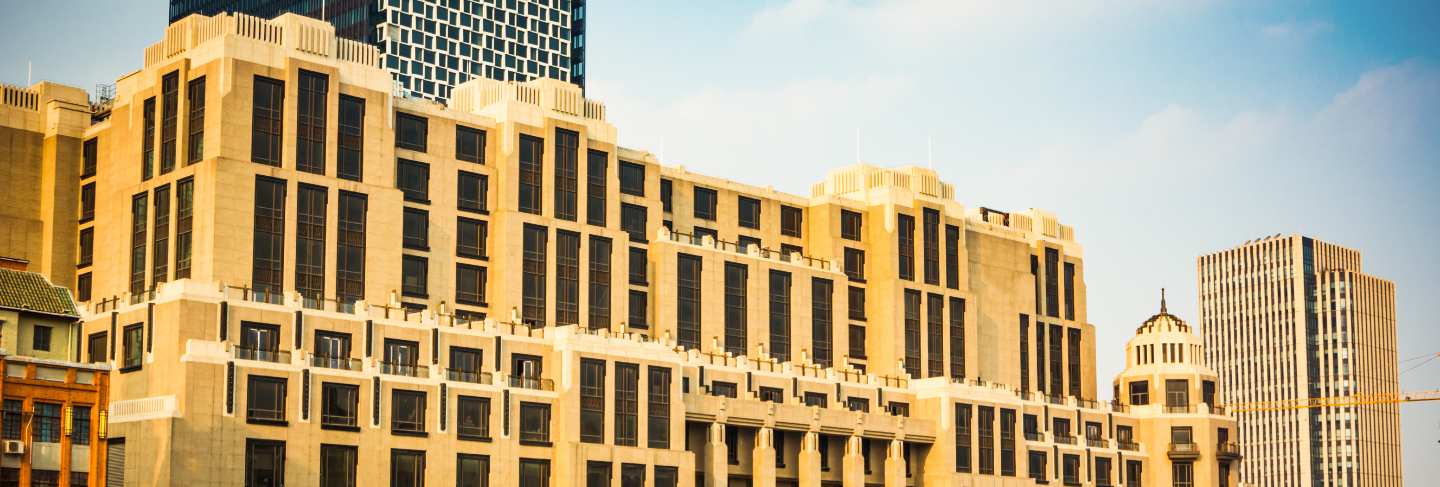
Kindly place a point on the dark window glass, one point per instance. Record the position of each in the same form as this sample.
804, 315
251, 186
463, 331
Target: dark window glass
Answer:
688, 301
407, 411
1007, 442
474, 417
592, 401
310, 243
470, 284
534, 473
473, 192
934, 335
771, 394
632, 221
1139, 393
905, 246
931, 229
632, 178
987, 440
1052, 283
963, 442
858, 404
856, 300
666, 476
13, 420
1057, 371
567, 154
417, 229
791, 221
415, 276
1037, 467
857, 341
1069, 291
850, 225
40, 338
912, 332
350, 154
597, 177
632, 475
532, 150
952, 256
1073, 353
780, 315
534, 422
160, 271
266, 399
350, 248
818, 399
639, 309
469, 144
533, 303
407, 468
169, 119
600, 250
567, 278
87, 247
266, 123
184, 226
134, 343
411, 132
957, 338
667, 193
472, 470
597, 474
83, 287
310, 122
264, 463
1040, 356
737, 312
259, 341
413, 179
80, 424
99, 347
147, 147
337, 466
338, 404
638, 266
659, 407
89, 157
87, 202
46, 423
1024, 349
705, 199
269, 246
749, 211
627, 404
822, 319
470, 238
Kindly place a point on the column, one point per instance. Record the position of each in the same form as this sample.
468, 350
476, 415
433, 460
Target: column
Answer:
809, 460
715, 464
895, 464
762, 460
852, 465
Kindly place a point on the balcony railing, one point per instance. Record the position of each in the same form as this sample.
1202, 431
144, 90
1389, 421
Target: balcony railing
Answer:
1227, 449
1128, 445
1097, 442
1118, 407
1184, 450
1034, 436
1055, 398
341, 363
338, 420
406, 369
263, 355
1066, 439
1179, 409
465, 375
537, 383
262, 414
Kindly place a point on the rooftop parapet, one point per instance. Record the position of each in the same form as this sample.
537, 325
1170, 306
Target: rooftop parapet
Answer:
295, 32
558, 96
23, 98
856, 180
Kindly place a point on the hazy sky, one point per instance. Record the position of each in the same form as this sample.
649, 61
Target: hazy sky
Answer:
1159, 130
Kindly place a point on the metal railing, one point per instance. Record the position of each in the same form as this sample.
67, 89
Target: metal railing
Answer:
1119, 407
1228, 448
406, 370
537, 383
1184, 449
1179, 409
1034, 436
341, 363
1066, 439
471, 376
1127, 445
337, 420
1097, 442
265, 414
1055, 399
263, 355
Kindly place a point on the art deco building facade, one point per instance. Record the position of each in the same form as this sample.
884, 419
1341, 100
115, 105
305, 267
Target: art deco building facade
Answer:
300, 277
1291, 318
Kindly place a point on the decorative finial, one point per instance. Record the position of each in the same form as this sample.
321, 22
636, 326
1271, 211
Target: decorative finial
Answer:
1162, 300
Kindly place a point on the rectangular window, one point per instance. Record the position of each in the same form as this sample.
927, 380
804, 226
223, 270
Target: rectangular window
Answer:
850, 225
638, 265
268, 261
82, 287
816, 399
350, 153
532, 150
632, 475
40, 338
1038, 471
687, 307
310, 122
857, 341
1057, 371
1139, 393
264, 463
952, 256
266, 124
749, 212
597, 177
266, 399
567, 278
470, 284
1040, 356
80, 425
411, 132
667, 193
160, 272
912, 332
87, 247
592, 401
659, 407
771, 394
413, 179
791, 221
597, 474
259, 341
87, 202
407, 468
473, 192
632, 221
1177, 393
1052, 283
1102, 472
855, 264
89, 157
337, 466
627, 404
1070, 469
474, 415
134, 343
534, 422
857, 303
780, 315
600, 250
184, 226
905, 246
310, 243
632, 178
931, 222
963, 442
567, 154
407, 411
1069, 291
723, 389
737, 277
957, 338
534, 473
667, 476
1073, 353
822, 320
14, 419
857, 404
935, 335
533, 302
169, 119
414, 276
470, 237
987, 440
1007, 442
46, 423
147, 152
705, 199
1024, 353
469, 144
350, 248
98, 347
639, 309
339, 404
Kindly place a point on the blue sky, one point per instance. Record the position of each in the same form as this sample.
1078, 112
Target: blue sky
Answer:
1160, 130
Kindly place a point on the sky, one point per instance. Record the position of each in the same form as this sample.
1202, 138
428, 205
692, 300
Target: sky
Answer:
1160, 130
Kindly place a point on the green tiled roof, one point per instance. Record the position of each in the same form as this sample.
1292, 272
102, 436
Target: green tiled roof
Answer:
31, 291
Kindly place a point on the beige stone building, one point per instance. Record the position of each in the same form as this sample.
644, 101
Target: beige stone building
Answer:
1289, 319
306, 279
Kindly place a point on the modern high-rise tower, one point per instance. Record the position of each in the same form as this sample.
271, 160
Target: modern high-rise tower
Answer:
1289, 318
431, 46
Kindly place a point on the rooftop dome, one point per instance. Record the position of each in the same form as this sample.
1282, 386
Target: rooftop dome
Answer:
1163, 321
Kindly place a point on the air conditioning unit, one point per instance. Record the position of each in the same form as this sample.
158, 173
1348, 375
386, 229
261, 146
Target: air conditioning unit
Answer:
14, 447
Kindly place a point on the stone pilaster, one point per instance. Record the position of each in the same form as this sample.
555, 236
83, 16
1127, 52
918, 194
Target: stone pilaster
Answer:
895, 464
852, 465
762, 460
808, 461
716, 463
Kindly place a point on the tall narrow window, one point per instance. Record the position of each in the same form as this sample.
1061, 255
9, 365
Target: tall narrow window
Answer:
987, 440
600, 250
89, 155
912, 332
792, 219
161, 247
416, 229
687, 307
1052, 283
82, 287
532, 150
856, 340
567, 278
935, 335
638, 266
469, 144
147, 146
592, 400
1069, 290
905, 243
567, 153
265, 126
184, 225
931, 219
1073, 353
963, 442
350, 248
1024, 353
736, 308
749, 212
850, 225
1040, 363
957, 338
780, 315
705, 199
855, 264
639, 311
414, 276
411, 132
310, 122
632, 178
822, 318
1007, 442
632, 221
536, 239
667, 195
195, 139
169, 119
1057, 371
659, 407
856, 298
952, 256
139, 221
350, 153
627, 404
473, 192
312, 207
597, 179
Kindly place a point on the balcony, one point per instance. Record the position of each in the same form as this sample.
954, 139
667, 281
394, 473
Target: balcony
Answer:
1065, 439
536, 383
1097, 442
1179, 409
402, 369
1127, 445
1228, 451
470, 376
1184, 451
339, 363
1034, 436
262, 355
341, 421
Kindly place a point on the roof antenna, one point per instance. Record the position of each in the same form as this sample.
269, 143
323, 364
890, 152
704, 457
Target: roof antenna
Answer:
1162, 301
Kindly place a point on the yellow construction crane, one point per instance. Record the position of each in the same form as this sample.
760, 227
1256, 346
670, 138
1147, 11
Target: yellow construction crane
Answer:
1344, 401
